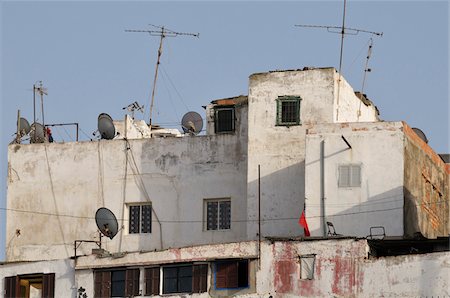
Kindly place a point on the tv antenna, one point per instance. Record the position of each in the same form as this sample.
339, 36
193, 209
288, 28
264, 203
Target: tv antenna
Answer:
42, 91
133, 107
342, 31
162, 32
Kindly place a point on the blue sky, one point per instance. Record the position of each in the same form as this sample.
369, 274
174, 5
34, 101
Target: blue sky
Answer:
90, 65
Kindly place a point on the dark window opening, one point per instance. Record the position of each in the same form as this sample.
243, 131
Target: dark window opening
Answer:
218, 214
288, 110
231, 274
224, 119
140, 220
185, 279
384, 247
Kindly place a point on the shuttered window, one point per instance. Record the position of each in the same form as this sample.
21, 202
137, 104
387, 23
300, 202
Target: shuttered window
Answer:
218, 214
231, 274
132, 282
152, 281
288, 110
185, 279
48, 285
140, 219
11, 284
116, 283
349, 175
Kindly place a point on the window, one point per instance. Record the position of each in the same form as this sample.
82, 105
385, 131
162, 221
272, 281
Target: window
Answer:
185, 279
32, 285
224, 119
140, 220
349, 176
288, 110
307, 266
218, 214
231, 274
116, 283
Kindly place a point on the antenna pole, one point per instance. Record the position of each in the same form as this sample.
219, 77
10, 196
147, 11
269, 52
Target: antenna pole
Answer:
34, 111
18, 127
162, 32
42, 91
156, 76
340, 61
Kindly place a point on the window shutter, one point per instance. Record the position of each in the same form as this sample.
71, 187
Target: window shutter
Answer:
199, 278
227, 275
152, 281
102, 284
344, 176
233, 277
355, 175
132, 282
48, 285
11, 283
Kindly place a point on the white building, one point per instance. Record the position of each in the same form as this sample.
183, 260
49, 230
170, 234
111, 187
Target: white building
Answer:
186, 197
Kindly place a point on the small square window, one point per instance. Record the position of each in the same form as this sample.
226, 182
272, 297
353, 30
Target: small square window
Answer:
140, 219
349, 176
288, 110
218, 214
224, 119
307, 263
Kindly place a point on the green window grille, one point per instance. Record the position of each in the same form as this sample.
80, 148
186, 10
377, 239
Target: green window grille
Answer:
288, 110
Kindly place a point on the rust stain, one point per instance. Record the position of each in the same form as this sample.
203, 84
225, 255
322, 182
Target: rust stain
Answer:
344, 277
360, 129
284, 269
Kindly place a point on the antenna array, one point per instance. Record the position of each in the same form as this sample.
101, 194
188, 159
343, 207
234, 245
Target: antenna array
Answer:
162, 32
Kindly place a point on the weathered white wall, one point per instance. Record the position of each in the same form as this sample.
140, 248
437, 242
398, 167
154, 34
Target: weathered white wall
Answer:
55, 189
347, 107
63, 269
280, 150
378, 148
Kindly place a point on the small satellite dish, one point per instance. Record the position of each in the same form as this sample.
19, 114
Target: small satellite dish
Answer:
192, 123
421, 134
106, 126
37, 133
106, 222
24, 127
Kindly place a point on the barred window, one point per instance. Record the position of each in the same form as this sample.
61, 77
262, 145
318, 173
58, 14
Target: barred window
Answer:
140, 220
218, 214
288, 110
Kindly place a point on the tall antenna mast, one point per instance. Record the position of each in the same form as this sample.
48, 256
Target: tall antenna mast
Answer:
42, 91
162, 32
342, 30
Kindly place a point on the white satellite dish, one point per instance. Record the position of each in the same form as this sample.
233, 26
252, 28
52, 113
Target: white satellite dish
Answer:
106, 127
192, 123
106, 222
37, 133
24, 127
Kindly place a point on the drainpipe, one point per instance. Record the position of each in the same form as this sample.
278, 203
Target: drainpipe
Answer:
322, 187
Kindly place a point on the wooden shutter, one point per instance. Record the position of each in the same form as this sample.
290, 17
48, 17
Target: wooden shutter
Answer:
227, 275
102, 284
48, 285
152, 281
132, 282
199, 278
11, 283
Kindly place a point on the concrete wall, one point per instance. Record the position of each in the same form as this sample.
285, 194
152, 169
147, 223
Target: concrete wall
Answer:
63, 269
55, 189
378, 201
342, 268
347, 107
426, 189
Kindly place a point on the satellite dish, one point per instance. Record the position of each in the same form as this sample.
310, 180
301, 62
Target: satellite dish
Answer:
37, 133
192, 123
24, 127
106, 222
106, 126
421, 134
